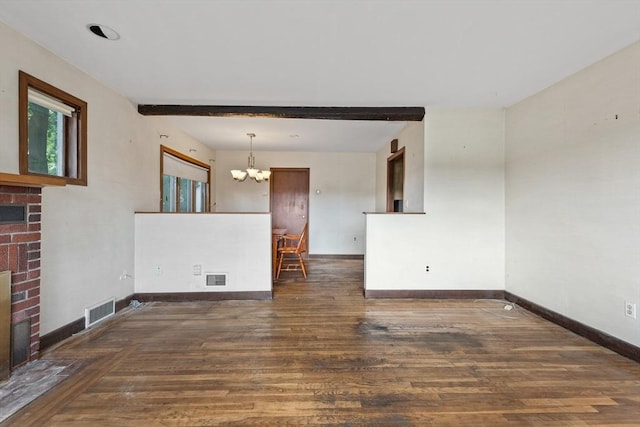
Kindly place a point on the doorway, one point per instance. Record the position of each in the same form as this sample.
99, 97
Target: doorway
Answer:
395, 181
289, 201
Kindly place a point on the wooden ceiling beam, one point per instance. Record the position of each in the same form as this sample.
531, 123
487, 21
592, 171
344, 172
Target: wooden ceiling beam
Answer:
408, 114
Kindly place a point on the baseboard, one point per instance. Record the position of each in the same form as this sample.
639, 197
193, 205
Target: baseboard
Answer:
601, 338
329, 256
123, 303
434, 294
61, 334
70, 329
202, 296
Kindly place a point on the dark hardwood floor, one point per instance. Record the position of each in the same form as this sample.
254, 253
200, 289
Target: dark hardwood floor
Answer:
319, 353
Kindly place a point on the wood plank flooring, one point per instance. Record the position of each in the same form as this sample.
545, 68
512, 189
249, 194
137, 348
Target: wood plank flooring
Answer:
320, 354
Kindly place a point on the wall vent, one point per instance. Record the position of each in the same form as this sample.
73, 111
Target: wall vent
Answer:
216, 279
13, 214
99, 312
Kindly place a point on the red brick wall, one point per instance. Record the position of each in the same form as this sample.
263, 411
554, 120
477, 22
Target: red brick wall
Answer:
20, 253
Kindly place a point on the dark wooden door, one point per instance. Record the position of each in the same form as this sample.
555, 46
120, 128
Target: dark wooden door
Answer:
289, 202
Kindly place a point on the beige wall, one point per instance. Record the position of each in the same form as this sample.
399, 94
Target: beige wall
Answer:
573, 195
238, 246
464, 195
87, 232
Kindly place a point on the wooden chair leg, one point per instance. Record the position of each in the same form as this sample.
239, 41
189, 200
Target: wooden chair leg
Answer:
304, 270
288, 267
280, 258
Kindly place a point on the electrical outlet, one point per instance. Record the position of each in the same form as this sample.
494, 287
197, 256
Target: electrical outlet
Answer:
158, 270
426, 268
630, 309
197, 269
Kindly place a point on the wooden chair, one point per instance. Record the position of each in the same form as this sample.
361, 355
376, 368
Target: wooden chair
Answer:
294, 245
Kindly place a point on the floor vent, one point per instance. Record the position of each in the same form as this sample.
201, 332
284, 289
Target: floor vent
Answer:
99, 312
218, 279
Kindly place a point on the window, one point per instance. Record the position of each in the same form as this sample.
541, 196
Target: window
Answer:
186, 191
200, 196
169, 185
52, 132
184, 182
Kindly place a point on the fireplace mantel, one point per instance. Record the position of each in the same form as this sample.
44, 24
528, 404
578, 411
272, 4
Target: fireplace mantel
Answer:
29, 180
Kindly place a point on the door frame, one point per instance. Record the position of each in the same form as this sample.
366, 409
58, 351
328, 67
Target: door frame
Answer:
398, 156
296, 169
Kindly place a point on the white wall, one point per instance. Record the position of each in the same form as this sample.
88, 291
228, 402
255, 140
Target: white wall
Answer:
87, 232
168, 246
411, 137
397, 252
464, 194
347, 188
573, 195
461, 237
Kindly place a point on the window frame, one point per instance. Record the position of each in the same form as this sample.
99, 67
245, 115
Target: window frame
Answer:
75, 138
171, 152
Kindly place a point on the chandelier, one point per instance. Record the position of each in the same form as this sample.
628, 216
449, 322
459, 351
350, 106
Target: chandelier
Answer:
256, 174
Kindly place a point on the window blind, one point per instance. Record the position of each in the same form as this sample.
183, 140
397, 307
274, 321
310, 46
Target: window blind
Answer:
177, 167
49, 102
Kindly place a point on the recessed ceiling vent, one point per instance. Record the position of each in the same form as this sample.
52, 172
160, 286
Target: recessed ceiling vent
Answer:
103, 31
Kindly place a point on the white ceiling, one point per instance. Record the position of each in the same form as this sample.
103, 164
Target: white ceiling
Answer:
228, 133
375, 53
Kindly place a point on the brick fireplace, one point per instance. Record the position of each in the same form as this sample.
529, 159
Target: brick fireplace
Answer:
20, 253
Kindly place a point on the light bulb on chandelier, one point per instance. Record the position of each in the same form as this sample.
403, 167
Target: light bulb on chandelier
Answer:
256, 174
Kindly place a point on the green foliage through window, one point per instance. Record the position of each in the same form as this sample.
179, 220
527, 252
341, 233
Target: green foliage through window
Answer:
45, 137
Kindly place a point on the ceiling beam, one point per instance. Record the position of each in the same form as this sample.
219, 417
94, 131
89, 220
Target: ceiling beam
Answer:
392, 114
